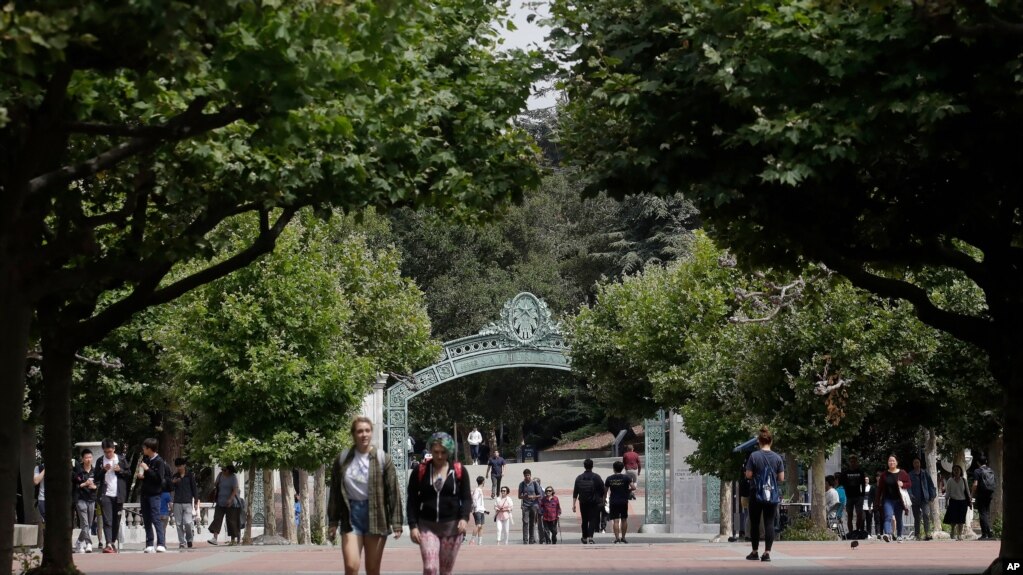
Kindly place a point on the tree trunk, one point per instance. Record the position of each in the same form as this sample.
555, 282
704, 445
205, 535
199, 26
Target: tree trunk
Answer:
250, 487
818, 513
996, 463
27, 465
288, 506
792, 479
931, 456
318, 520
303, 494
58, 367
171, 436
1012, 464
725, 502
269, 505
14, 339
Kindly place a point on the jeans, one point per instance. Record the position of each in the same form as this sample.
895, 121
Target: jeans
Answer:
111, 518
150, 505
183, 520
86, 515
530, 517
551, 529
984, 508
893, 508
495, 485
475, 451
767, 511
921, 518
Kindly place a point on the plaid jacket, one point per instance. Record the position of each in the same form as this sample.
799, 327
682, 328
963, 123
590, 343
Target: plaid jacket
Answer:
385, 509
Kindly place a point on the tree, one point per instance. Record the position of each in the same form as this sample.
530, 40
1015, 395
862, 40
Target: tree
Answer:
272, 360
873, 137
131, 131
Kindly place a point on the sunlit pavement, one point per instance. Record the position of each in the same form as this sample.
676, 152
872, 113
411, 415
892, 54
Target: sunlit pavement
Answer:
639, 556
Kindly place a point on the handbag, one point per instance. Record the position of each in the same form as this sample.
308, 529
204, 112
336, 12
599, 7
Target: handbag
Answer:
907, 503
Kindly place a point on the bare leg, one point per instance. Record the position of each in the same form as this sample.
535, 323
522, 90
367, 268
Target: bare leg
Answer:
374, 545
351, 551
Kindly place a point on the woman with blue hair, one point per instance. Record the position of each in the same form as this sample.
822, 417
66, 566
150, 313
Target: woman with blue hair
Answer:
439, 502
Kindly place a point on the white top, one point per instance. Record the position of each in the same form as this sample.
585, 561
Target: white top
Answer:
357, 477
42, 486
109, 477
955, 488
867, 489
477, 500
831, 498
475, 437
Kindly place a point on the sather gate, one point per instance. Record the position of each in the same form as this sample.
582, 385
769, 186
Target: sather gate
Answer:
525, 336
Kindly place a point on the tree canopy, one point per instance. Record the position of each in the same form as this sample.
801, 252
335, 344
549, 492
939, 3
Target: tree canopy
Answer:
874, 137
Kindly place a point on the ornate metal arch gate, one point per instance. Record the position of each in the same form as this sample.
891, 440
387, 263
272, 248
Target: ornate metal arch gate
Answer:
525, 336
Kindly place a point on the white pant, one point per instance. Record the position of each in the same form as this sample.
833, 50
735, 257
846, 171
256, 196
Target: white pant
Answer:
503, 527
183, 520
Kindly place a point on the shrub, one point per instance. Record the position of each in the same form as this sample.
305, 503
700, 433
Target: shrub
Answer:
803, 529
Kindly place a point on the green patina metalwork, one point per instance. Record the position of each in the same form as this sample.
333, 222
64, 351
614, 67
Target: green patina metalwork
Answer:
525, 336
656, 464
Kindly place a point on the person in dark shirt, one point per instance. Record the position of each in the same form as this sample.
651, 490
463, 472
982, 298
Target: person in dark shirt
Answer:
438, 506
151, 472
889, 487
984, 496
495, 470
186, 502
619, 488
85, 501
852, 480
763, 463
588, 497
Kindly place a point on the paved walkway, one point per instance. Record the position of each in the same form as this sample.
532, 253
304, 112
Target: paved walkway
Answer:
638, 557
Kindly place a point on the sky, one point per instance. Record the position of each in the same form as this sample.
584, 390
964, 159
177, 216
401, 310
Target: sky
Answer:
529, 35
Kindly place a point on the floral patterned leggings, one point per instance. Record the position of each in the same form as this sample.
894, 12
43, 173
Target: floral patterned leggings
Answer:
438, 552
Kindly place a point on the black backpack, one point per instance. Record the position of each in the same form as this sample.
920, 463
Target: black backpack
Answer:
987, 479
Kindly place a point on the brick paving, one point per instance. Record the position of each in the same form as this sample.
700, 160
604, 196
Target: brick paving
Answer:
638, 557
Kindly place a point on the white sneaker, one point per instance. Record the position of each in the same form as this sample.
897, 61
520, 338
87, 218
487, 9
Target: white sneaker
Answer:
149, 550
161, 549
88, 547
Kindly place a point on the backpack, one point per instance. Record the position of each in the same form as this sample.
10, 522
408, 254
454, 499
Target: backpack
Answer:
987, 478
243, 517
589, 490
421, 472
765, 485
167, 484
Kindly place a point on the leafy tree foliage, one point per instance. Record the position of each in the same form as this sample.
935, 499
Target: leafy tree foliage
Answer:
272, 360
130, 130
874, 137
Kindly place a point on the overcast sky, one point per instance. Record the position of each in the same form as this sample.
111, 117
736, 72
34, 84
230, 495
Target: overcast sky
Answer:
529, 35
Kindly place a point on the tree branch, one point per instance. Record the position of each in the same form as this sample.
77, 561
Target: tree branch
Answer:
101, 361
189, 123
119, 131
971, 329
147, 294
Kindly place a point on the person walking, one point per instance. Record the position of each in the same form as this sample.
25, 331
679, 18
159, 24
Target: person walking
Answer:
550, 514
226, 500
868, 505
957, 496
633, 467
984, 490
853, 479
364, 503
185, 503
39, 480
921, 494
503, 507
619, 488
889, 491
475, 439
495, 470
112, 477
152, 471
588, 498
84, 482
766, 470
529, 495
439, 502
479, 511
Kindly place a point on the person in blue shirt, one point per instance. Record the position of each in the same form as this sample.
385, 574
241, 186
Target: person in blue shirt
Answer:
298, 512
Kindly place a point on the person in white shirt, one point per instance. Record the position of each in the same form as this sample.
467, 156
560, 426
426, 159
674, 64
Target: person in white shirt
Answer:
503, 515
479, 511
475, 439
831, 498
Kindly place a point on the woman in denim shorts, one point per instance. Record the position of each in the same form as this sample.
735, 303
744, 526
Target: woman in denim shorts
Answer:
365, 502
